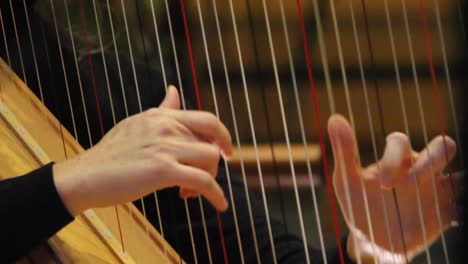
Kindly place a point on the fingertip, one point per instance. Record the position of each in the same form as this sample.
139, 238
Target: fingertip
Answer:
224, 206
339, 127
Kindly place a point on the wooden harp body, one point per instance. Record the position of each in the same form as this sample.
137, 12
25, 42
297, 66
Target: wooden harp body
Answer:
31, 137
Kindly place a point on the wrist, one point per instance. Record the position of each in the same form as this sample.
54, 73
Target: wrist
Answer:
69, 188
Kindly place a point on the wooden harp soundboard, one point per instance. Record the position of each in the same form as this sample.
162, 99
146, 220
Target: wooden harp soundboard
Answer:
30, 137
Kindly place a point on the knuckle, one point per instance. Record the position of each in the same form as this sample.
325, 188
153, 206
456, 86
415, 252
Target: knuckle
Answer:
166, 126
152, 112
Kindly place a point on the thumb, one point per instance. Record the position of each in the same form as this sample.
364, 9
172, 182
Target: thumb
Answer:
172, 99
344, 145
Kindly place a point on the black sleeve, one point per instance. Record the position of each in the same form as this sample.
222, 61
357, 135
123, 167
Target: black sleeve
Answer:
289, 248
31, 211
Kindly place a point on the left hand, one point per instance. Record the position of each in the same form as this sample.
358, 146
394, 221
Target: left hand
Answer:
400, 168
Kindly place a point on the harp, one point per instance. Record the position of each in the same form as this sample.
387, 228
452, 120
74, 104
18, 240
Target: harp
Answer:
387, 65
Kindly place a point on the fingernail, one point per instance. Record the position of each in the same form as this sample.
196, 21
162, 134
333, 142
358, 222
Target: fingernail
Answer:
223, 155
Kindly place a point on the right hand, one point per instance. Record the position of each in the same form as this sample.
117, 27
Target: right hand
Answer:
159, 148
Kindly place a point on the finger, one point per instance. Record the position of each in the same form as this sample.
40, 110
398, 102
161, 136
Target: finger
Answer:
437, 154
206, 126
187, 193
343, 144
172, 99
202, 155
202, 182
396, 160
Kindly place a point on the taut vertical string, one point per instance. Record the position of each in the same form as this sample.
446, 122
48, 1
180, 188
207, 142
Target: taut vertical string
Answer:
96, 95
228, 173
18, 43
303, 134
4, 38
197, 93
165, 85
63, 68
286, 133
371, 128
252, 130
236, 131
39, 83
440, 119
78, 72
317, 117
449, 80
260, 77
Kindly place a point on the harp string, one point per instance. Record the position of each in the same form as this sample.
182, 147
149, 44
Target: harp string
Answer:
72, 40
236, 131
33, 51
5, 38
259, 75
197, 93
176, 63
449, 78
394, 191
145, 54
93, 80
405, 120
312, 86
228, 174
137, 89
18, 43
440, 118
373, 139
351, 116
303, 134
286, 133
165, 85
64, 69
402, 102
114, 43
104, 63
435, 85
252, 131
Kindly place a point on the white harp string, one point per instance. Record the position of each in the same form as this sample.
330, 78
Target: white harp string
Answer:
78, 74
373, 139
161, 60
5, 39
104, 63
426, 139
353, 125
252, 130
176, 62
18, 43
326, 69
236, 131
303, 133
114, 42
137, 88
33, 50
449, 80
64, 68
286, 133
228, 173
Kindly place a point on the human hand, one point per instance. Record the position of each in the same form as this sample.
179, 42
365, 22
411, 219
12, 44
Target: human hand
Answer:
159, 148
400, 168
